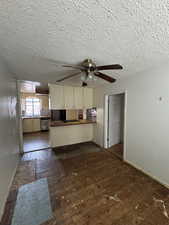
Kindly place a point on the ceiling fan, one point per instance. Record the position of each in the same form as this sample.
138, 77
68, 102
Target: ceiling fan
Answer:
89, 71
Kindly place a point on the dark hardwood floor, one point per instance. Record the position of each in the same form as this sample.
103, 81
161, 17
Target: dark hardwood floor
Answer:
95, 188
117, 150
35, 141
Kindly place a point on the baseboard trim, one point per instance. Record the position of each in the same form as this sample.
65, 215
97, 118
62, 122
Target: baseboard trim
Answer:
141, 170
9, 186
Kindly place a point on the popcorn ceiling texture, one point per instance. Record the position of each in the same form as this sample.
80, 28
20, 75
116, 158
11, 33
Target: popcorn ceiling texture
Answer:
132, 33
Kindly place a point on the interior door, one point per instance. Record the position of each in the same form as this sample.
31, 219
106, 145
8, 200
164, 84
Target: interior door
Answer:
114, 125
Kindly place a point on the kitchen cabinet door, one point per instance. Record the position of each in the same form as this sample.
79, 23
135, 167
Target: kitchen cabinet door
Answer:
56, 97
35, 125
88, 97
68, 135
69, 97
27, 125
78, 97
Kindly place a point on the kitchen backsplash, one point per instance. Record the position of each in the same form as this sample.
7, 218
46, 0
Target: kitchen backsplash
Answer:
72, 114
89, 114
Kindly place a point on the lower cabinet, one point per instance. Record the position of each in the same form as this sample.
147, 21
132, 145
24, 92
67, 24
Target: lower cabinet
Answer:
27, 125
73, 134
35, 125
31, 125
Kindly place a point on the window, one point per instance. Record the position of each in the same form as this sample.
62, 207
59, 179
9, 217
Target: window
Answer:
32, 107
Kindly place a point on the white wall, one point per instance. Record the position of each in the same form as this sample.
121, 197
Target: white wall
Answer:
147, 120
8, 133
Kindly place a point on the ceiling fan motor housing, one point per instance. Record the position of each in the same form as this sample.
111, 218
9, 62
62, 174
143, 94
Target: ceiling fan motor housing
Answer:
89, 65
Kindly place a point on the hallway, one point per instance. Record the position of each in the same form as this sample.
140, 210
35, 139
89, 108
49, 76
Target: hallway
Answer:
92, 188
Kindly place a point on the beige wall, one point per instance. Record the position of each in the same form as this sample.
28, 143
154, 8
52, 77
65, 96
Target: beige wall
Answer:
147, 120
9, 147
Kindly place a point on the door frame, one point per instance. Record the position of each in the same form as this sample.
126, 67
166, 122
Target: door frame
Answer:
20, 127
20, 124
106, 120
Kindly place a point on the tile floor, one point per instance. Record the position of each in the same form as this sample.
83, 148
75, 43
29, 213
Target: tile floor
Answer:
95, 188
35, 141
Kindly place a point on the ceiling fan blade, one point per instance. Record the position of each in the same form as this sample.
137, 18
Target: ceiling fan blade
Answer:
68, 77
63, 64
110, 67
73, 66
105, 77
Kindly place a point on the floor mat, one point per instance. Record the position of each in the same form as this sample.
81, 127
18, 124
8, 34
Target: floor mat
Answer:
33, 204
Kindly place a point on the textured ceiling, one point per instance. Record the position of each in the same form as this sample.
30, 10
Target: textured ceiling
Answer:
133, 33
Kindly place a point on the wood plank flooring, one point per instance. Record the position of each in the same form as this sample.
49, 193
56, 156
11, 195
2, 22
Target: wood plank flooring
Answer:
94, 188
117, 150
35, 141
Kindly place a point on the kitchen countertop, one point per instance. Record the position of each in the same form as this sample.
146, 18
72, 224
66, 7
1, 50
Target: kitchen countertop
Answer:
37, 117
61, 123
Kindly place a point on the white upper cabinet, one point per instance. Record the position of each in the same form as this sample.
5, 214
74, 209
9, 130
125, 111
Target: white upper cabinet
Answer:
57, 97
66, 97
87, 97
69, 97
78, 97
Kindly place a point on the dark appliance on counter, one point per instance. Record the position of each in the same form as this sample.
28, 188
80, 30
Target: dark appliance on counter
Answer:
58, 115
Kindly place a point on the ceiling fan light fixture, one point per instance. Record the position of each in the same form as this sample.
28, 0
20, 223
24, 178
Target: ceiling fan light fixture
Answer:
90, 76
83, 77
94, 78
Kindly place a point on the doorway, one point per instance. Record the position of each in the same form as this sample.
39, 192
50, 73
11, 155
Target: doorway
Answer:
115, 129
34, 115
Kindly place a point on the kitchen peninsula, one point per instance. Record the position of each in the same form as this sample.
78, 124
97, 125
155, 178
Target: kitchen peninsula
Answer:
67, 133
70, 129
